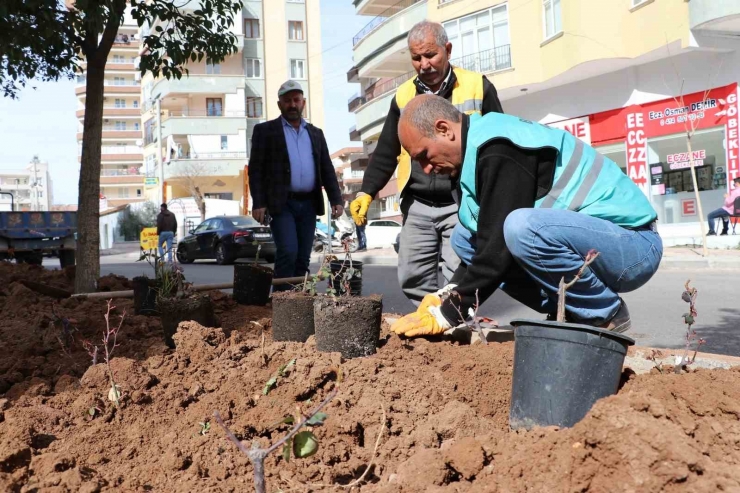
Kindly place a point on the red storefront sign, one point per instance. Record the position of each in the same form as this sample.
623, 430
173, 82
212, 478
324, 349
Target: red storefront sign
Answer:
688, 207
636, 124
578, 127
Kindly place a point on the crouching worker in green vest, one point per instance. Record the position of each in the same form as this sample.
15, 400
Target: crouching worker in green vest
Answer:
534, 201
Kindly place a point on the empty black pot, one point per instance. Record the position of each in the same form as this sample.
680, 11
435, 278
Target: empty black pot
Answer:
561, 370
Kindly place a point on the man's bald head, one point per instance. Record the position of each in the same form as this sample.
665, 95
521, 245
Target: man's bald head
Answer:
430, 129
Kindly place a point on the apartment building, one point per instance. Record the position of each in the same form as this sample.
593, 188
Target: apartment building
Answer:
121, 176
626, 76
26, 189
199, 128
350, 180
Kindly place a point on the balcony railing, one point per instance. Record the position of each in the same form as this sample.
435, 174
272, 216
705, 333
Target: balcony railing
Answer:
382, 17
124, 39
82, 80
211, 113
119, 150
214, 155
119, 129
350, 174
121, 172
498, 58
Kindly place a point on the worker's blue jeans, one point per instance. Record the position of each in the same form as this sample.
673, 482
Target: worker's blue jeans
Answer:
293, 231
166, 237
548, 244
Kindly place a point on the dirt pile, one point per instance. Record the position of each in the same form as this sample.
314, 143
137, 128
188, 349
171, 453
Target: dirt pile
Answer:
445, 427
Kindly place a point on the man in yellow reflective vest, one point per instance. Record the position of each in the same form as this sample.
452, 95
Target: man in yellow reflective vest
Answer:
428, 206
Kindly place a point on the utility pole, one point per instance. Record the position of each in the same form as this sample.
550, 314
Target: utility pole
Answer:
160, 166
35, 184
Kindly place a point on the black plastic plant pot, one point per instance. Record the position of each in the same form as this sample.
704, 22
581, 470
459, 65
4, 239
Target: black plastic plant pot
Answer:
340, 277
173, 311
292, 316
145, 295
561, 370
348, 325
252, 284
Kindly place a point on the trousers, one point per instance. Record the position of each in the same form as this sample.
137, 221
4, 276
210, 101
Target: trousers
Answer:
549, 244
293, 231
425, 243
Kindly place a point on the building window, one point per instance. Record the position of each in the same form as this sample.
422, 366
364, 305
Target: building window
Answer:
481, 39
138, 192
551, 17
253, 68
40, 194
120, 103
123, 193
119, 59
213, 68
214, 107
149, 135
137, 126
120, 125
119, 81
136, 103
224, 143
296, 1
295, 30
251, 28
297, 69
254, 107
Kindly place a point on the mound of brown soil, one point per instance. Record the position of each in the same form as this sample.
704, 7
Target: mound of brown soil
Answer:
445, 426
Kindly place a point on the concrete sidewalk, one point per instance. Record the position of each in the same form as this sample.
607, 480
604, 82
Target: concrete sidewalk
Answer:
673, 258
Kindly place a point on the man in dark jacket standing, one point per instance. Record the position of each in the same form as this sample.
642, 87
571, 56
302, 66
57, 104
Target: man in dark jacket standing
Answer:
289, 164
166, 230
428, 206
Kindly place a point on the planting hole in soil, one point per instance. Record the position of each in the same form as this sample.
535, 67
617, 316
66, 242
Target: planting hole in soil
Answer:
173, 311
145, 295
349, 325
292, 316
252, 284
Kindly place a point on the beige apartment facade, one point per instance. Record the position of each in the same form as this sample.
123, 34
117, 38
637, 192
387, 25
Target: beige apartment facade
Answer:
197, 130
121, 174
615, 73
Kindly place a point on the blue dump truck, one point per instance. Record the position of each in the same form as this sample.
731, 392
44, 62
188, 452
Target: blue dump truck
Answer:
28, 236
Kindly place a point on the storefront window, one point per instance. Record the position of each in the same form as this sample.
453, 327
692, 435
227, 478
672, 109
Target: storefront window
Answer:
615, 152
670, 173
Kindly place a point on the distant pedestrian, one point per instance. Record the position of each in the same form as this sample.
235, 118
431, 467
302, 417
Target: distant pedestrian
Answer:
289, 165
166, 229
724, 212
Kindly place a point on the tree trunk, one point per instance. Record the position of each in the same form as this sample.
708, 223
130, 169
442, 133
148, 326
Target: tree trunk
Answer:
88, 212
200, 202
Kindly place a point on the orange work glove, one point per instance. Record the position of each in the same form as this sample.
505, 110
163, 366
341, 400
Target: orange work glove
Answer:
426, 320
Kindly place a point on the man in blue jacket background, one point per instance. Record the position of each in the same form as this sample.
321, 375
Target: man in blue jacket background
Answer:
534, 201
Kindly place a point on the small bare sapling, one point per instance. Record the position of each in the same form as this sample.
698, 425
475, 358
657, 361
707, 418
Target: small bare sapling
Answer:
109, 344
563, 287
692, 339
301, 444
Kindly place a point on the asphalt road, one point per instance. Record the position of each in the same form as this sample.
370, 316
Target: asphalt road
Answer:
656, 308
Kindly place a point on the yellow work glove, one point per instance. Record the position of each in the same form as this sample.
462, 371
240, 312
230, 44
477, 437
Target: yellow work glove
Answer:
358, 209
426, 320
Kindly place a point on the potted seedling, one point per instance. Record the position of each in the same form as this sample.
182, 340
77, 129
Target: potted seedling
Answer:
344, 323
177, 302
292, 311
252, 282
561, 369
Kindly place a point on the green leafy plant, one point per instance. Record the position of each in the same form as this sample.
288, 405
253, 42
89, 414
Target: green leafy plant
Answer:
345, 275
205, 427
281, 373
692, 339
170, 277
309, 284
300, 444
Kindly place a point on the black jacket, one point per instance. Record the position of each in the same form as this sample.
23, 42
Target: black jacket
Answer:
166, 221
434, 188
269, 168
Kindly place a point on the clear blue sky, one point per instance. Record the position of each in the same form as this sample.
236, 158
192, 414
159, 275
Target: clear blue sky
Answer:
42, 121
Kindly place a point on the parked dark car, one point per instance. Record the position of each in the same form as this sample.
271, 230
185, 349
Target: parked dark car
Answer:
227, 238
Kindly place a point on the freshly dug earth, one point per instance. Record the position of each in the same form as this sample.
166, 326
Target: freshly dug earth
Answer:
445, 426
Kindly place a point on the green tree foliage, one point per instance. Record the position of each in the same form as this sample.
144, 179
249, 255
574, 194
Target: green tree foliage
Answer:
46, 40
132, 222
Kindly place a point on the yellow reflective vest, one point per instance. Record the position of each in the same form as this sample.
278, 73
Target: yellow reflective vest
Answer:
467, 96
